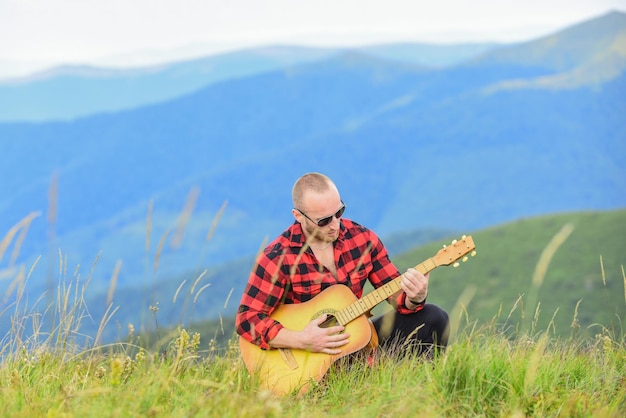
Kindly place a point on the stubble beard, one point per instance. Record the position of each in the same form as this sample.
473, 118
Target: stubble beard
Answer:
319, 234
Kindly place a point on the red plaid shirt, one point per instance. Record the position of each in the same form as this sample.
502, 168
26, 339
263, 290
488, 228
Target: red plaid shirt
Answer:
283, 275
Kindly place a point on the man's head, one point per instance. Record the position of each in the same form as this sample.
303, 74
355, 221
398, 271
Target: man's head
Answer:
317, 206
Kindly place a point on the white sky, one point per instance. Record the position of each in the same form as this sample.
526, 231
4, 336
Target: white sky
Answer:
40, 33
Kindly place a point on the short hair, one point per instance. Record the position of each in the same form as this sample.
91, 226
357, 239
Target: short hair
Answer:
315, 182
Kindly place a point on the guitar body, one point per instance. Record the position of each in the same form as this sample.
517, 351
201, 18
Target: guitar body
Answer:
286, 370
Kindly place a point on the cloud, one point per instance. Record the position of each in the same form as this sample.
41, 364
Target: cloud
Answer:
48, 31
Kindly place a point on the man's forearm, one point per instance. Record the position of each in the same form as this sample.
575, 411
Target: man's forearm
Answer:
286, 338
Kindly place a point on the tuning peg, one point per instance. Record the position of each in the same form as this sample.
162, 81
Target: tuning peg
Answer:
444, 245
464, 259
454, 241
455, 264
464, 236
473, 253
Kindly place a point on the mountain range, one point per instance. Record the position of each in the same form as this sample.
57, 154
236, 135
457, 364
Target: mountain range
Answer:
69, 92
192, 167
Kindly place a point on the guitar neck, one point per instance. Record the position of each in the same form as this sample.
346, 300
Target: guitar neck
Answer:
367, 302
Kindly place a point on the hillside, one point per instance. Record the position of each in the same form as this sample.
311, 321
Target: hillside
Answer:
589, 53
506, 156
587, 268
70, 92
564, 50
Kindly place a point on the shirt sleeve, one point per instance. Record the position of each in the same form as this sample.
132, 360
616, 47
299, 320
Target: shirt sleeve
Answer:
401, 301
261, 297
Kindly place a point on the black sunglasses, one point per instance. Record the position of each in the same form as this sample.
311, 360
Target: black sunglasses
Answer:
327, 220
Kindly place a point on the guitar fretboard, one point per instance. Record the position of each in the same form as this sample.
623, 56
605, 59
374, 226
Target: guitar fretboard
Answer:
367, 302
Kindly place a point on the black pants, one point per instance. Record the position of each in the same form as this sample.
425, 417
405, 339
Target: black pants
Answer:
423, 332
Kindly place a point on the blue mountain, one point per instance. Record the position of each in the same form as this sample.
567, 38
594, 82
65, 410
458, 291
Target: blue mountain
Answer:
69, 92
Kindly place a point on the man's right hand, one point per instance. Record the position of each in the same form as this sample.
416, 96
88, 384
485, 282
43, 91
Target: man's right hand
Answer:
313, 338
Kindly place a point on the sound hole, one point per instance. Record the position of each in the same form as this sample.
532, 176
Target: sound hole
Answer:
330, 321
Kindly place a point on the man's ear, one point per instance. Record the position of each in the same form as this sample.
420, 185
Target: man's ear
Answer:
297, 215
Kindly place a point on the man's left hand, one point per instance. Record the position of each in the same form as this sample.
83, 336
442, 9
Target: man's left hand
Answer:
415, 285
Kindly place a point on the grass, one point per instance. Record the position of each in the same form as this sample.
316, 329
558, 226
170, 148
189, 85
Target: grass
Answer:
484, 373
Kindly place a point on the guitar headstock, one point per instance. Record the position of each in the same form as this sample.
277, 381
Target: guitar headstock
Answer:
457, 250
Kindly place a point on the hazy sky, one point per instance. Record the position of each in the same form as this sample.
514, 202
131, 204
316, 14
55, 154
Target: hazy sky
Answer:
47, 32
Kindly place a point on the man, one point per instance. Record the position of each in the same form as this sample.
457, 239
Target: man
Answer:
321, 249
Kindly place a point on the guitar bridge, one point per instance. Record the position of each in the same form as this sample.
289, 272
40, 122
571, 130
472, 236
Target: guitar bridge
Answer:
288, 358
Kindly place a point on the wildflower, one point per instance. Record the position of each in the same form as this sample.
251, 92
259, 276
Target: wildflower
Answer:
182, 342
129, 366
195, 341
140, 356
15, 378
185, 343
607, 344
117, 368
100, 372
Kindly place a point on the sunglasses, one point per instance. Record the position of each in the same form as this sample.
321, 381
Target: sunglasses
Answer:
327, 220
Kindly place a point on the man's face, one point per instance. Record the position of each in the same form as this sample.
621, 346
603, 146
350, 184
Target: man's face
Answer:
317, 206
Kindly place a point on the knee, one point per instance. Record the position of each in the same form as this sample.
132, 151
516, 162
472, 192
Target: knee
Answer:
437, 315
439, 321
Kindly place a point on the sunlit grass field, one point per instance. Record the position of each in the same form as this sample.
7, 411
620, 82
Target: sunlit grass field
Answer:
483, 373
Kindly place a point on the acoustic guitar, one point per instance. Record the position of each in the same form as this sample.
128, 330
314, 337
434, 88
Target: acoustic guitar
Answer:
285, 370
